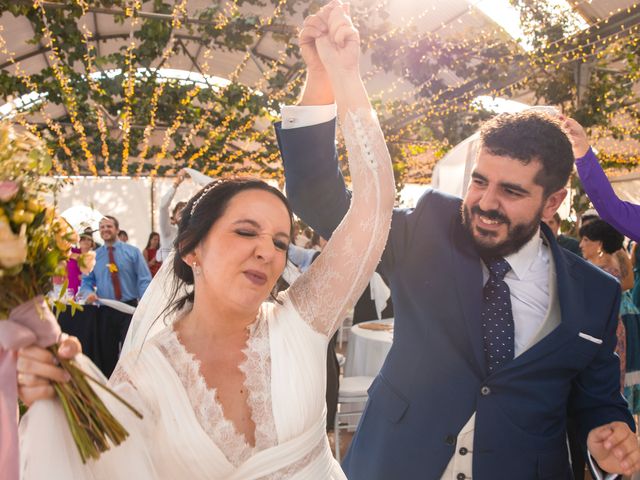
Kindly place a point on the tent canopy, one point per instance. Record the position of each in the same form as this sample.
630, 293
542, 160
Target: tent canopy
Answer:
130, 49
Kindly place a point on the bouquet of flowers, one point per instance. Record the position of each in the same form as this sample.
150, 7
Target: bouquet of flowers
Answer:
34, 246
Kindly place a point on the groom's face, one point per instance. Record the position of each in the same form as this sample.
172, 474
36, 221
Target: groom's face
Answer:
503, 205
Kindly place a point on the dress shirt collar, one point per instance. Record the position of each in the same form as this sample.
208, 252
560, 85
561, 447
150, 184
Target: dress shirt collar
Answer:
522, 260
115, 244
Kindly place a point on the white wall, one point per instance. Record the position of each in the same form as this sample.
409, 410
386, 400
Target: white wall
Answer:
130, 200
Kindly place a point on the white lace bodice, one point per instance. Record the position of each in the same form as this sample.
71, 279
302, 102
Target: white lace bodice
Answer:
208, 410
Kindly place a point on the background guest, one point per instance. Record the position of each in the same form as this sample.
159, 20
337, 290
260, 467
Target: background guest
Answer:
123, 236
635, 260
88, 232
623, 216
121, 273
79, 262
565, 241
169, 218
624, 262
150, 251
600, 242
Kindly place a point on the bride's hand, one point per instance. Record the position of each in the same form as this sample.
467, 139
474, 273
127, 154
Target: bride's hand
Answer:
37, 369
313, 27
339, 48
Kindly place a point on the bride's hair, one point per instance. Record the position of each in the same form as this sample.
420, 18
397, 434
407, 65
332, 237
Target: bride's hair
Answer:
202, 211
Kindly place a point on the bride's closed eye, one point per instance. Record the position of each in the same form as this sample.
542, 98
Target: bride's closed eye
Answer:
279, 244
246, 233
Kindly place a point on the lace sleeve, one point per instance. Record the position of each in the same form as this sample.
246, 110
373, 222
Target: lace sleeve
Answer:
333, 283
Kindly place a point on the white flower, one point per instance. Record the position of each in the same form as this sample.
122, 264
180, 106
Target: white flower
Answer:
13, 248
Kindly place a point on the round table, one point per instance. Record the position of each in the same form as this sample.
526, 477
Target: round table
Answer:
368, 348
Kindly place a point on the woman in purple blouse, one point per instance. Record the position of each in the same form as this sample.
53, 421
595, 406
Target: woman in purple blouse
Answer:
623, 216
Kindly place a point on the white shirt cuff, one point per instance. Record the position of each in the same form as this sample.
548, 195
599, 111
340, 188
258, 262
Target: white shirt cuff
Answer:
297, 116
598, 472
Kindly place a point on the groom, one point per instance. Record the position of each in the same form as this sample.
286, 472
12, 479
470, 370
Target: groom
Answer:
500, 335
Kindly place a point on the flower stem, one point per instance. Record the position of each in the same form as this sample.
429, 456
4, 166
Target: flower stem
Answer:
93, 428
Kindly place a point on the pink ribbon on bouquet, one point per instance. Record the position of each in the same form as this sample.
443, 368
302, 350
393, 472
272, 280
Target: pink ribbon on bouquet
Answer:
28, 323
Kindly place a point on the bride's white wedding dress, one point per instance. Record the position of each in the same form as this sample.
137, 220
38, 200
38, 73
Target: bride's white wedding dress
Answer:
184, 433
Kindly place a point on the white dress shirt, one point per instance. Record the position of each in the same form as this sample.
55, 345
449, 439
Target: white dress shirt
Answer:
528, 282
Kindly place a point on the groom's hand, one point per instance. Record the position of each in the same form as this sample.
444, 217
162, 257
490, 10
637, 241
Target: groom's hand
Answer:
615, 448
317, 90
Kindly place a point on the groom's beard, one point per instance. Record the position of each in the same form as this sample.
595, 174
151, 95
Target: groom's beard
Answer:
517, 235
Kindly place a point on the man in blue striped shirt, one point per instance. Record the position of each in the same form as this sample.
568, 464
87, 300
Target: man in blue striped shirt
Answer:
132, 271
121, 273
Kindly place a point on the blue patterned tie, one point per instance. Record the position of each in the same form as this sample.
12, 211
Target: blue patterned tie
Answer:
497, 316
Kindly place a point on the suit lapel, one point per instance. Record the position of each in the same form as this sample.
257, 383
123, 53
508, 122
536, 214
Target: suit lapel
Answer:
468, 274
571, 297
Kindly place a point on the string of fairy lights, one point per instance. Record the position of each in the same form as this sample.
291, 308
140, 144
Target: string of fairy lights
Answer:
179, 9
579, 54
224, 124
234, 134
481, 40
70, 102
51, 124
96, 88
401, 100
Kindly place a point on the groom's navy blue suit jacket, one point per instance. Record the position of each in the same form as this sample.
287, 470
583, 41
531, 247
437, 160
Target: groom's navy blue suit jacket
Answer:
434, 377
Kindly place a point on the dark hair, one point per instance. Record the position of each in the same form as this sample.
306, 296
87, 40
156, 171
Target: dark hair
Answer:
532, 136
315, 239
588, 217
178, 206
115, 221
600, 231
202, 211
151, 235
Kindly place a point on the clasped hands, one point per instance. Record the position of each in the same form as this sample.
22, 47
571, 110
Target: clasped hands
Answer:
329, 42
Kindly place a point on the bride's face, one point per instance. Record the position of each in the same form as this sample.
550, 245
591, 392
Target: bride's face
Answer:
245, 252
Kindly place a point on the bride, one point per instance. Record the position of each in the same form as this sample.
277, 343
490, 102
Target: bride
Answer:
232, 386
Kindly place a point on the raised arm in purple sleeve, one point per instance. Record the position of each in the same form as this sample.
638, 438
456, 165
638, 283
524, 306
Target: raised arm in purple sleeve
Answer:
623, 216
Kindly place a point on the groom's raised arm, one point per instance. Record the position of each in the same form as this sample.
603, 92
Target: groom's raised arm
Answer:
306, 138
314, 184
307, 141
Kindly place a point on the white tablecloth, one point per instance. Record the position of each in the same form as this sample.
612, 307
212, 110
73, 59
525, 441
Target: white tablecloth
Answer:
367, 349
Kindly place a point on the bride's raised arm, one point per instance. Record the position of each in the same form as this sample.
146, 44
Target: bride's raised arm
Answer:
333, 283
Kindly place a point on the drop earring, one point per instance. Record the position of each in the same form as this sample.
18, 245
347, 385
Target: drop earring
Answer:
196, 269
